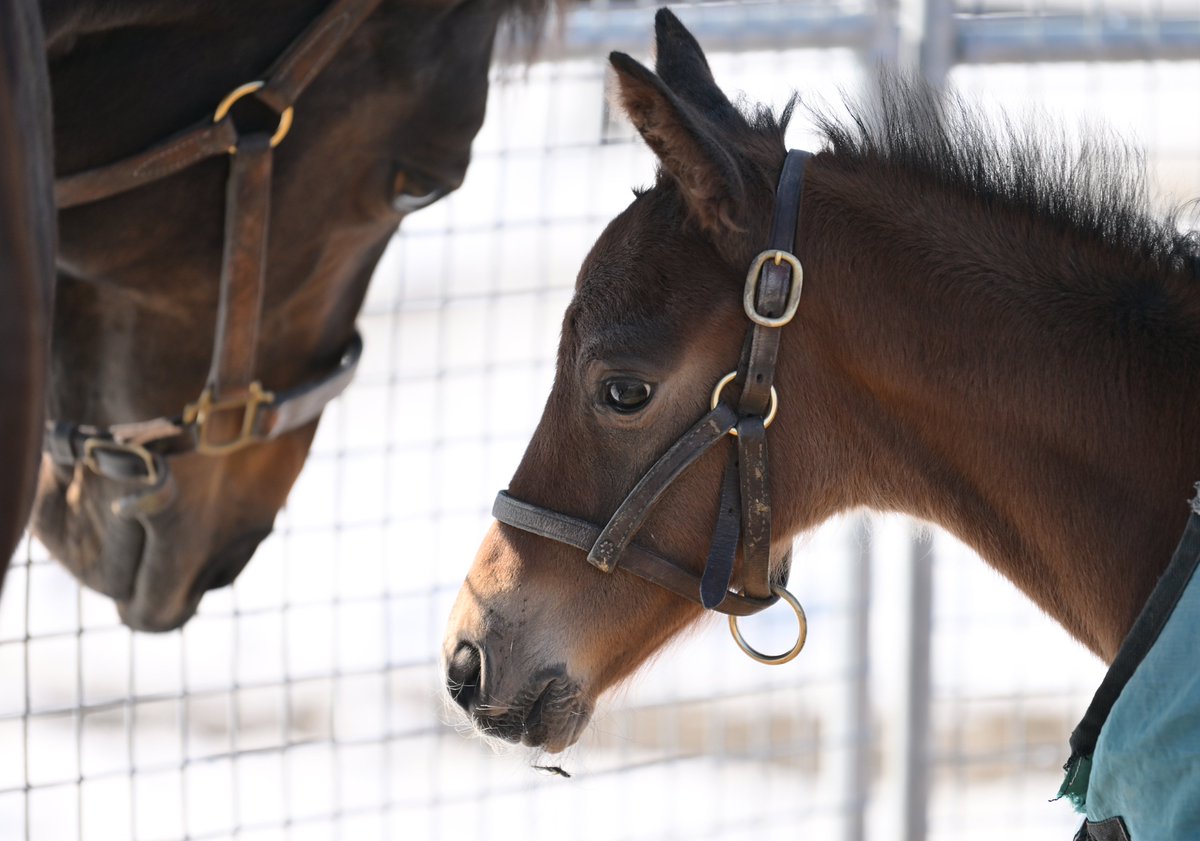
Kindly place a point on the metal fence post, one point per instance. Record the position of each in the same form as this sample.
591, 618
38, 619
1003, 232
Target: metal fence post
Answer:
913, 736
856, 774
939, 45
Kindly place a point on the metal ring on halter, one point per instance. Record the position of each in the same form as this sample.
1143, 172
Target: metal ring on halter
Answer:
285, 119
774, 659
726, 380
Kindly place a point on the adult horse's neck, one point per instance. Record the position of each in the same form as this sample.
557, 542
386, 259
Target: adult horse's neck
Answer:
1019, 382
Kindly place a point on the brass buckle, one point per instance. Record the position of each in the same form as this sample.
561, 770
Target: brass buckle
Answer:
285, 119
751, 290
197, 414
92, 445
726, 380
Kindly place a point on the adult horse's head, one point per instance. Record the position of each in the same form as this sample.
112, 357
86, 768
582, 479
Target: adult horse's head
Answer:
383, 100
537, 633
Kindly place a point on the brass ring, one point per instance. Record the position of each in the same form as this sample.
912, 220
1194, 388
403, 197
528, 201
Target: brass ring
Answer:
774, 659
726, 380
285, 119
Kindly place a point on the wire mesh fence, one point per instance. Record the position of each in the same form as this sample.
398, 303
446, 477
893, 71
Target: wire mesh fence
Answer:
305, 701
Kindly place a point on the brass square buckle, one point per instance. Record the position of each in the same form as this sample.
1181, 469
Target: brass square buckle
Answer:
751, 291
199, 413
94, 446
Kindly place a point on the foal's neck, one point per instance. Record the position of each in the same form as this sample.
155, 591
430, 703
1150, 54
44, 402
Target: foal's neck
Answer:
1028, 388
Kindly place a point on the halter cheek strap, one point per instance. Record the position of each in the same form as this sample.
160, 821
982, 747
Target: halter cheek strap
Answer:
770, 298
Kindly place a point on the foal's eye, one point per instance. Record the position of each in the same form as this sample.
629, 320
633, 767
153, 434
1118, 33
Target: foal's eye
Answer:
626, 395
409, 194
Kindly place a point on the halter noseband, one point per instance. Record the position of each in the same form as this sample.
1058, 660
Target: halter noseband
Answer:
136, 452
770, 299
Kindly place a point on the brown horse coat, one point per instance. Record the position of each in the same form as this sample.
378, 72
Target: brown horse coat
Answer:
996, 334
26, 261
383, 129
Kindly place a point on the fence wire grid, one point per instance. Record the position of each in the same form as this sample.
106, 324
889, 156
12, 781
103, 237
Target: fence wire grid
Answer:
306, 701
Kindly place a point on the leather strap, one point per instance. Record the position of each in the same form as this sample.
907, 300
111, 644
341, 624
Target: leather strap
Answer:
296, 407
117, 458
722, 549
642, 562
206, 140
757, 371
243, 268
758, 374
302, 62
756, 507
632, 513
1112, 829
286, 80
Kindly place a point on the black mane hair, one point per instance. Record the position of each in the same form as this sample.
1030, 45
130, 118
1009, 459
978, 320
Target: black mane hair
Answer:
1097, 186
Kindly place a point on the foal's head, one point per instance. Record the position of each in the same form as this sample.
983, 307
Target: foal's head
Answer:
538, 634
384, 129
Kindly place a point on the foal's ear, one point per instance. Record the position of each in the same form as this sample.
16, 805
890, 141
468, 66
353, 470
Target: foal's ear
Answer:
685, 142
681, 64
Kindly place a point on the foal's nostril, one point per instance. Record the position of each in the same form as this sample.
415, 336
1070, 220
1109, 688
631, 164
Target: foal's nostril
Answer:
463, 675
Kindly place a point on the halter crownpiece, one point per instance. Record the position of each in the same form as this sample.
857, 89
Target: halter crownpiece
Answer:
770, 299
136, 453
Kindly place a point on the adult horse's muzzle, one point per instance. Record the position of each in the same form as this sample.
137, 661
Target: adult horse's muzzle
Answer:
158, 603
155, 563
154, 513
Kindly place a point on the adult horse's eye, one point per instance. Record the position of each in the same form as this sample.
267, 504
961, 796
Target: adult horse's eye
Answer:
409, 194
627, 395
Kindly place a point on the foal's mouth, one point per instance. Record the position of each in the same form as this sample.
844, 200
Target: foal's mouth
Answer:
552, 721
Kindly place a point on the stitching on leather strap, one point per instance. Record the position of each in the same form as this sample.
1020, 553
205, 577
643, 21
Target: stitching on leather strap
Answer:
176, 156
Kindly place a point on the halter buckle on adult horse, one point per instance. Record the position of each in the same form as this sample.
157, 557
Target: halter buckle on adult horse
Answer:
198, 414
234, 410
770, 299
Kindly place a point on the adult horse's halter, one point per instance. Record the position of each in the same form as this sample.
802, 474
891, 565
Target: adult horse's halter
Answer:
770, 298
248, 414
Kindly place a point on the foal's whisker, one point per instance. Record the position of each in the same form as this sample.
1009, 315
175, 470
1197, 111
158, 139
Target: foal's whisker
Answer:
498, 709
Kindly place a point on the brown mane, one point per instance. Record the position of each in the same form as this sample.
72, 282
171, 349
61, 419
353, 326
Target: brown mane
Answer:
1096, 188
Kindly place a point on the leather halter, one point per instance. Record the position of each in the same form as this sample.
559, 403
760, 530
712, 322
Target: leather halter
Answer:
770, 298
136, 452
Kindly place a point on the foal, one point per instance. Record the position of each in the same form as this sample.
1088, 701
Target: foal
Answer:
993, 336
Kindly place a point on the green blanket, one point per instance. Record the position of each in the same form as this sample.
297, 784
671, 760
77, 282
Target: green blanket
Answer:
1145, 767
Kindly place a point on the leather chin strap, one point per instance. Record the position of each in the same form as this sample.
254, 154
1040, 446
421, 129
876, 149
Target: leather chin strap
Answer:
771, 295
241, 411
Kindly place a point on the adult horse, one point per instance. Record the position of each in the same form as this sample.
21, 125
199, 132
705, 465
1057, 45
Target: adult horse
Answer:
229, 175
993, 336
26, 262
